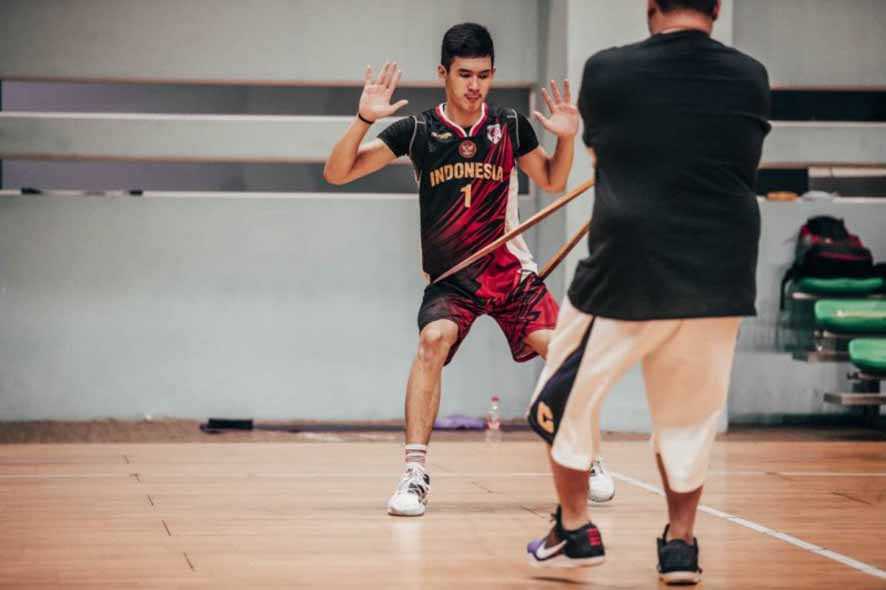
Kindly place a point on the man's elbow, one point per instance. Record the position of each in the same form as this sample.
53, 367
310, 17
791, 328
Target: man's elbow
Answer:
331, 177
550, 187
557, 188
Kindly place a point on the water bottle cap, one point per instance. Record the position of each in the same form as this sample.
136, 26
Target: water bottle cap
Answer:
495, 398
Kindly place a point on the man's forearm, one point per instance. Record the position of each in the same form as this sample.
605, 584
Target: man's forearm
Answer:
344, 154
561, 163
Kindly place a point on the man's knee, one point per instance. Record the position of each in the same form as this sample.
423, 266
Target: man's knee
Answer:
539, 341
435, 341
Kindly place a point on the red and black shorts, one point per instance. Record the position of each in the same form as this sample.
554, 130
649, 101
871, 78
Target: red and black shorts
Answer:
519, 311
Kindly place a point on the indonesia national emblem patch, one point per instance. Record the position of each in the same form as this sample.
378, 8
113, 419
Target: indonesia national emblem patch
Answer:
493, 133
467, 149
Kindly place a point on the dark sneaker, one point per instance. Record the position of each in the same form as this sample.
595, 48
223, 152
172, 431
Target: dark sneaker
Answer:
678, 561
562, 548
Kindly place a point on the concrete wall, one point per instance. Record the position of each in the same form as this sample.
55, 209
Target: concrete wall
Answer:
29, 98
220, 99
273, 308
212, 306
271, 42
305, 307
817, 43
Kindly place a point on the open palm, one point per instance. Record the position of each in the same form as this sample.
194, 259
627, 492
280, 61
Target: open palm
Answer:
375, 102
563, 119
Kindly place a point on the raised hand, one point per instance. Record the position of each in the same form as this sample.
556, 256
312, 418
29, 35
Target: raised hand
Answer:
563, 120
375, 102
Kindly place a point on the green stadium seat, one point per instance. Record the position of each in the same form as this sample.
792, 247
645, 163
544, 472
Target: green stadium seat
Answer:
869, 355
841, 287
853, 316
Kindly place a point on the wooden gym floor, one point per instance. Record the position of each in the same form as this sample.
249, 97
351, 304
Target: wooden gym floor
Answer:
780, 512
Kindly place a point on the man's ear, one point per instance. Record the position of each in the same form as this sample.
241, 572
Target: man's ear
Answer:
651, 8
441, 73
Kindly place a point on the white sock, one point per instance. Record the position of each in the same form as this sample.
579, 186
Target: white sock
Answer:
417, 454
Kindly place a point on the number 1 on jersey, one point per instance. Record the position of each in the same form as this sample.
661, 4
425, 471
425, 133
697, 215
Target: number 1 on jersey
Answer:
466, 189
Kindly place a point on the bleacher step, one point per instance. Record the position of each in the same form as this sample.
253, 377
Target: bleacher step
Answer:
856, 399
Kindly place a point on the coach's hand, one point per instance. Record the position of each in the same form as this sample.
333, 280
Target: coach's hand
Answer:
563, 120
375, 102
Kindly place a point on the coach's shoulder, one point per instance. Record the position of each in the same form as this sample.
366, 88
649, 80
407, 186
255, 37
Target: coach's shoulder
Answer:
602, 62
745, 59
604, 57
761, 69
752, 66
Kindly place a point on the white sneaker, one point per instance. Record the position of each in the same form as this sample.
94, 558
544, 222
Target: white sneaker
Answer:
411, 496
600, 483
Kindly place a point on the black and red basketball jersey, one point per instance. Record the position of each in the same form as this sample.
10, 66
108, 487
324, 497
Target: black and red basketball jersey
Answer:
468, 190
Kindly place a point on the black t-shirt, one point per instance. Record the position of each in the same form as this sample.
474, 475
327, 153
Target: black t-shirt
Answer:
467, 187
677, 123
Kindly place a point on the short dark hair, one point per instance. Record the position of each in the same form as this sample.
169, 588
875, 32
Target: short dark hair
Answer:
704, 6
466, 40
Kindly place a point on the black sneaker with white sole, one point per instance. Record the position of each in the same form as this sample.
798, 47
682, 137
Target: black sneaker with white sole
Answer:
678, 561
561, 548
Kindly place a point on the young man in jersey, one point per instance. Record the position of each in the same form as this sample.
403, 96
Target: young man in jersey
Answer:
677, 124
465, 154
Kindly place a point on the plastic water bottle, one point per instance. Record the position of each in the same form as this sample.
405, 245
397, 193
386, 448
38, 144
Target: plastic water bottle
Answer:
493, 421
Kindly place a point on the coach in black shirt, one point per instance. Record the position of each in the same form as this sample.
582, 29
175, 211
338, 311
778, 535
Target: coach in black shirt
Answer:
676, 126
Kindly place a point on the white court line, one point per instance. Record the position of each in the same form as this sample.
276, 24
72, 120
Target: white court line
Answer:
800, 473
755, 526
828, 474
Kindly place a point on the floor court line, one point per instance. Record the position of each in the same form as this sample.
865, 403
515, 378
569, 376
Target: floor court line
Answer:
800, 473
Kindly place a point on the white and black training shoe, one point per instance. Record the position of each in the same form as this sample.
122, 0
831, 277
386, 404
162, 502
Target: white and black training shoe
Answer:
601, 486
411, 496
